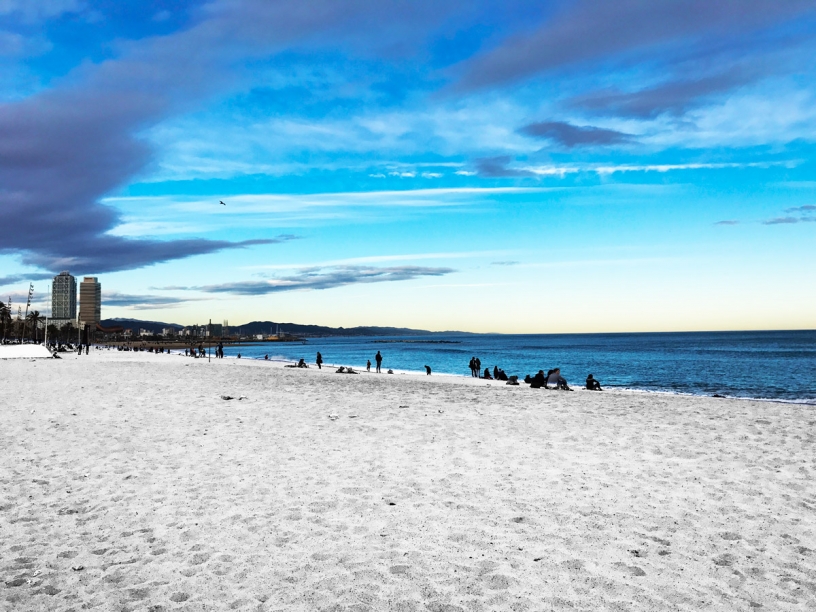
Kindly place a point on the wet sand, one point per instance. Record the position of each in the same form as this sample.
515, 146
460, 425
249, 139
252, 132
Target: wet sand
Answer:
127, 483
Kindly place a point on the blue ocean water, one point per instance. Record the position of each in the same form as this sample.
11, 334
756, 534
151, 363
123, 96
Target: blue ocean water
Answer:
776, 365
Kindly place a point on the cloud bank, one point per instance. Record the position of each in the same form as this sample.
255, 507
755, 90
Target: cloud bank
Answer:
325, 278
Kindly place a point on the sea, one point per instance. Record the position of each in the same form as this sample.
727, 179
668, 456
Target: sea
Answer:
767, 365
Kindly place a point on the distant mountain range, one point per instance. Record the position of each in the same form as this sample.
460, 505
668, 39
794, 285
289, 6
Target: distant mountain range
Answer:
270, 327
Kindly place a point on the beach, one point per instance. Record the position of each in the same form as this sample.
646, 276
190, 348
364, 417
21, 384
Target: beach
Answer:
128, 483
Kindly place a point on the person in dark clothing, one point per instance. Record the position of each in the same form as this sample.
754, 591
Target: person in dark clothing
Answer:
478, 363
319, 361
428, 370
368, 365
378, 359
496, 372
487, 375
592, 384
539, 380
472, 365
501, 375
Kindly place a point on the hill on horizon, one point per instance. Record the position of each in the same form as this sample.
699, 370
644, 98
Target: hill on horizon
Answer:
270, 327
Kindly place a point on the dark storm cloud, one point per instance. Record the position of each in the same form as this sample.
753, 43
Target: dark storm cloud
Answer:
496, 167
27, 278
674, 97
325, 278
599, 30
570, 136
61, 151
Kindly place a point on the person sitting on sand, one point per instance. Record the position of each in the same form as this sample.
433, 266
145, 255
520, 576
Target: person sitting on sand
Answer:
302, 363
592, 384
487, 375
428, 370
266, 357
559, 381
319, 361
538, 381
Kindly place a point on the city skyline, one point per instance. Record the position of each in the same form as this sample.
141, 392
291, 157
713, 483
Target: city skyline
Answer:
524, 167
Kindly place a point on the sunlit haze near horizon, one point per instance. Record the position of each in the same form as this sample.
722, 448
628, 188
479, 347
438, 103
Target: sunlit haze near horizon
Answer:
513, 167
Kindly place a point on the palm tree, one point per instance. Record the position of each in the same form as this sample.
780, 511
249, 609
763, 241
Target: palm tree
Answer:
34, 318
5, 317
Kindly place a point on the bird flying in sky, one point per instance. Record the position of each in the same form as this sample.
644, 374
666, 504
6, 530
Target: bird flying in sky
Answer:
222, 203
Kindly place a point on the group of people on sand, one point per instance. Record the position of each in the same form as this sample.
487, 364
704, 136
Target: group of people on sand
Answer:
377, 359
551, 380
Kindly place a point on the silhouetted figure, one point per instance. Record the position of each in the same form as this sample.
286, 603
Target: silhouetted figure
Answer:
592, 384
378, 359
473, 371
478, 364
266, 357
219, 351
368, 365
496, 372
428, 370
239, 355
500, 375
319, 361
538, 381
487, 375
302, 363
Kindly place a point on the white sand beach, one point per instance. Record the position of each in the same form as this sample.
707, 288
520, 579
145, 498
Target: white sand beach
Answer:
127, 483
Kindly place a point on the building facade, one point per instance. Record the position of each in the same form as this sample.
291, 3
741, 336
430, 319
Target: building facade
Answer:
63, 299
90, 302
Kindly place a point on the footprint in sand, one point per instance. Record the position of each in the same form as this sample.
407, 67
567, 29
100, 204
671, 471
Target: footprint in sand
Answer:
67, 554
179, 597
138, 594
199, 558
725, 560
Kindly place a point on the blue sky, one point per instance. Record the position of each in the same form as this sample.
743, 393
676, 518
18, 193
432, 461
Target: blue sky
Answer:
485, 166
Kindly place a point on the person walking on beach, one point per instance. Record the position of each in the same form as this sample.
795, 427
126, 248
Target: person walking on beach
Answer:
319, 361
378, 359
428, 370
368, 365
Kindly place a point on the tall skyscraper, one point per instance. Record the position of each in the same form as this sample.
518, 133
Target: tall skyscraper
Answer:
64, 297
90, 302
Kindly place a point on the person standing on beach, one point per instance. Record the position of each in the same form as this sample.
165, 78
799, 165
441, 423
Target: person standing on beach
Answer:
472, 365
368, 365
319, 361
478, 363
378, 359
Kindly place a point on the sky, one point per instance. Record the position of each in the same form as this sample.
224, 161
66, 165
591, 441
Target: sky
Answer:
513, 167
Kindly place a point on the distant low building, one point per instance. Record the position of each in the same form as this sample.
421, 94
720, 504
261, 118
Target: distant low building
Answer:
168, 332
216, 330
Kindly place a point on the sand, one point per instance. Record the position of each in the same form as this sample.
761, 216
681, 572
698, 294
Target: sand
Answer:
127, 483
